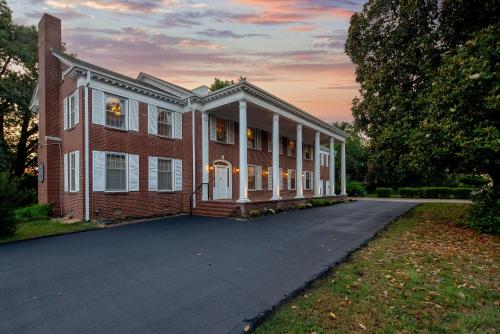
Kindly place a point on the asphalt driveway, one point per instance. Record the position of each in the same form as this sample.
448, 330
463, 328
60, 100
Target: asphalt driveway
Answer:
177, 275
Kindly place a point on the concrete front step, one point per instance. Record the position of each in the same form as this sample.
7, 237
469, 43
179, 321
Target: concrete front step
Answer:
215, 209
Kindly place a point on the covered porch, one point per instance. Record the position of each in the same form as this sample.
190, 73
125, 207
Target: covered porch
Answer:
257, 150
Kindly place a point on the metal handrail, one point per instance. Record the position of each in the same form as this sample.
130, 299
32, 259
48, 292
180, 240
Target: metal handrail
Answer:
193, 193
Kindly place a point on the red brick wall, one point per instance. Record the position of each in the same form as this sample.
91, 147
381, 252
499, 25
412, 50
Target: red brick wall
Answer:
49, 37
142, 203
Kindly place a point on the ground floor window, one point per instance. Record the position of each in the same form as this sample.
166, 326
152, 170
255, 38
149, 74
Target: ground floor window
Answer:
116, 176
291, 179
165, 175
307, 180
252, 184
72, 171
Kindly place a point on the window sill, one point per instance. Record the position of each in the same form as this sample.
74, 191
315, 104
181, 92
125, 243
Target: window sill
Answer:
111, 192
166, 191
116, 129
71, 128
165, 137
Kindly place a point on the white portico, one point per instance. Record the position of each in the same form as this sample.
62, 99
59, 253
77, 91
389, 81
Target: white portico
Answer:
266, 141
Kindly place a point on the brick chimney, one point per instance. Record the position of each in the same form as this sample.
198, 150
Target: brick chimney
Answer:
49, 123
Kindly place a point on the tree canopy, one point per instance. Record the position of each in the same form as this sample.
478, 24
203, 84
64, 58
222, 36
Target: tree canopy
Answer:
404, 53
18, 76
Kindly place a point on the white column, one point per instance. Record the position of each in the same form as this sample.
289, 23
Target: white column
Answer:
276, 157
204, 155
342, 171
298, 171
331, 172
243, 154
317, 172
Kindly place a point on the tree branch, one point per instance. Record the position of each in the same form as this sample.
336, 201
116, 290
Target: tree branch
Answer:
4, 67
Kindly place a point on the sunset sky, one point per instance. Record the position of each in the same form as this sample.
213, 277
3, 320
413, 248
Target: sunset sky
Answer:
293, 49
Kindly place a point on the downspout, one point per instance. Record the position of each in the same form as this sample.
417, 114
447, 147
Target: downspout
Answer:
86, 139
193, 139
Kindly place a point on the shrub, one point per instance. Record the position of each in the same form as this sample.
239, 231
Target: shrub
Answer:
8, 192
355, 188
435, 192
484, 213
302, 207
32, 212
320, 202
383, 192
254, 213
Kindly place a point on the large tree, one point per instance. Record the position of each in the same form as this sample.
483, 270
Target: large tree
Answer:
418, 106
18, 75
393, 45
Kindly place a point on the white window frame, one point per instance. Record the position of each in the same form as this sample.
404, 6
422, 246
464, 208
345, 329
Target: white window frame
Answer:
289, 148
72, 121
72, 172
106, 173
125, 111
308, 150
292, 185
172, 161
308, 176
225, 128
170, 121
254, 177
256, 132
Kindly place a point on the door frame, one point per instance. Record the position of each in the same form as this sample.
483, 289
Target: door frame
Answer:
226, 165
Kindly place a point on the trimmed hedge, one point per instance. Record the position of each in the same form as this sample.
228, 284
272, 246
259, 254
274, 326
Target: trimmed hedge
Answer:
383, 192
33, 212
320, 202
355, 188
436, 192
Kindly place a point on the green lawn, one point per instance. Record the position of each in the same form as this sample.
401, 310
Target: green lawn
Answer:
38, 228
425, 273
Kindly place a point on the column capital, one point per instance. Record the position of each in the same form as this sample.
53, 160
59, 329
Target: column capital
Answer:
276, 117
299, 126
243, 104
204, 116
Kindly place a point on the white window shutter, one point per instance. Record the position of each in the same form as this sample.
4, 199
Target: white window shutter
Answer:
77, 171
152, 173
258, 139
258, 174
213, 128
133, 115
289, 180
270, 178
98, 107
98, 170
65, 172
269, 142
230, 131
178, 125
65, 112
312, 181
281, 178
133, 172
152, 119
178, 174
77, 106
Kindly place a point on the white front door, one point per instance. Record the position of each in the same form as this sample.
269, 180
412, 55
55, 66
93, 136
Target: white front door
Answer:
222, 188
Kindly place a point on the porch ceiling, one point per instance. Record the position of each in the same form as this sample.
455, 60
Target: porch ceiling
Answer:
261, 118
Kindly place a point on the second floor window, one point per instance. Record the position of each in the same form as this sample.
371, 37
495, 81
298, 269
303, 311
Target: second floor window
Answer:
72, 111
115, 112
251, 138
291, 148
116, 176
165, 175
221, 130
307, 152
164, 123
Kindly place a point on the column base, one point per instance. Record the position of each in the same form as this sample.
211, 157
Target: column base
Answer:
343, 194
243, 200
299, 196
275, 198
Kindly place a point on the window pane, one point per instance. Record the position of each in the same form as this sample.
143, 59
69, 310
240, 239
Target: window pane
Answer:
221, 130
165, 174
251, 138
115, 112
164, 123
72, 172
115, 172
251, 177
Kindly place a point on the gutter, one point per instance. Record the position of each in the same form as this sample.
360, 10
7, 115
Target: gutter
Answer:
193, 132
86, 139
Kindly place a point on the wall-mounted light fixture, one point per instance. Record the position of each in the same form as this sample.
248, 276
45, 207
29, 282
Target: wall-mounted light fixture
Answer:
236, 170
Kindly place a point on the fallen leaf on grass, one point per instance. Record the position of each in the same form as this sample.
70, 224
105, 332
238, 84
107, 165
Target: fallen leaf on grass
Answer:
333, 315
362, 326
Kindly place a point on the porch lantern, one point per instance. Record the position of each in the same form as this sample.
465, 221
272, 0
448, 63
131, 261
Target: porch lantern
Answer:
236, 170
